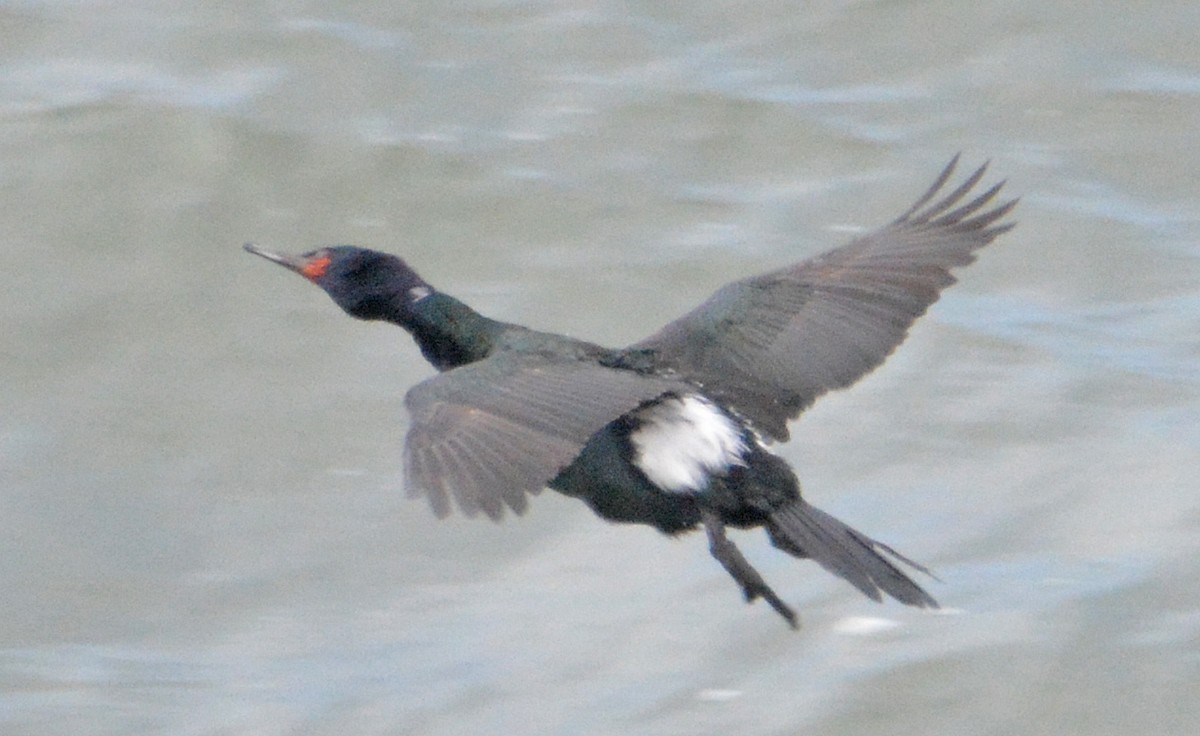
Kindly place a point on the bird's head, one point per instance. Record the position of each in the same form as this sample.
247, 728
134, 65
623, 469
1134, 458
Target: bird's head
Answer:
365, 283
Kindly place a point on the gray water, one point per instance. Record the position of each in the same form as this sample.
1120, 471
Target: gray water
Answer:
203, 528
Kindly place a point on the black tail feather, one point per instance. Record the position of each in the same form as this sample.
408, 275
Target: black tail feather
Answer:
805, 531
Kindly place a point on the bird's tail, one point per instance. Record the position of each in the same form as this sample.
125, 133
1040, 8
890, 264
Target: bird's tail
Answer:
806, 531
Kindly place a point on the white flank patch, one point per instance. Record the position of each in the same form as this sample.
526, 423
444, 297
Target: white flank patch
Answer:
682, 441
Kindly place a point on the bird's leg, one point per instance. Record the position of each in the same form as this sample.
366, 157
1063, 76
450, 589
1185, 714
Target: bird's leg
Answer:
730, 557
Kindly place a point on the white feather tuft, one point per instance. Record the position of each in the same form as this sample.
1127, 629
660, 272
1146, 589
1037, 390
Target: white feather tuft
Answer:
681, 441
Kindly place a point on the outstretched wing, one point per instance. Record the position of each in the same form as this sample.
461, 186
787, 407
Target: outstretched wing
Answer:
493, 432
770, 345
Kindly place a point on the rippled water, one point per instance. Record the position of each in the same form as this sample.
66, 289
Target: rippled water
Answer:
202, 521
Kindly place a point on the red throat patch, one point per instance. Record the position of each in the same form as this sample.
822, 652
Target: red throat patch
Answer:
316, 268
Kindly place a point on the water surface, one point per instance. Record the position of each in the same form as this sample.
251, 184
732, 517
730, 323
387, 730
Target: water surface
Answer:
204, 528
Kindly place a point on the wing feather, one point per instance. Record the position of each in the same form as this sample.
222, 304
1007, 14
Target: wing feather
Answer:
491, 433
770, 345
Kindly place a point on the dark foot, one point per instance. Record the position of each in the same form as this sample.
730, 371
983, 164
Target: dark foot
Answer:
730, 557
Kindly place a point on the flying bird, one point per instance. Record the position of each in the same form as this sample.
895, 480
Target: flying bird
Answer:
674, 430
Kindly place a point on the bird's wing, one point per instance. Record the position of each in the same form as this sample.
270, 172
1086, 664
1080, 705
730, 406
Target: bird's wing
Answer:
770, 345
490, 433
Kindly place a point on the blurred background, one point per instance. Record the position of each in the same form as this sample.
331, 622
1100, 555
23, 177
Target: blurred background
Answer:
203, 528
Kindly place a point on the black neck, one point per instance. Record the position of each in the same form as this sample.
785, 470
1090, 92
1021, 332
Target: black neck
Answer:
448, 332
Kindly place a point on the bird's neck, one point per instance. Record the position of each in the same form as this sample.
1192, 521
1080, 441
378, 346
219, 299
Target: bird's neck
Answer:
448, 332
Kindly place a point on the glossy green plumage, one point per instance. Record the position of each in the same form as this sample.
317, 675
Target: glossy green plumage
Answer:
514, 410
